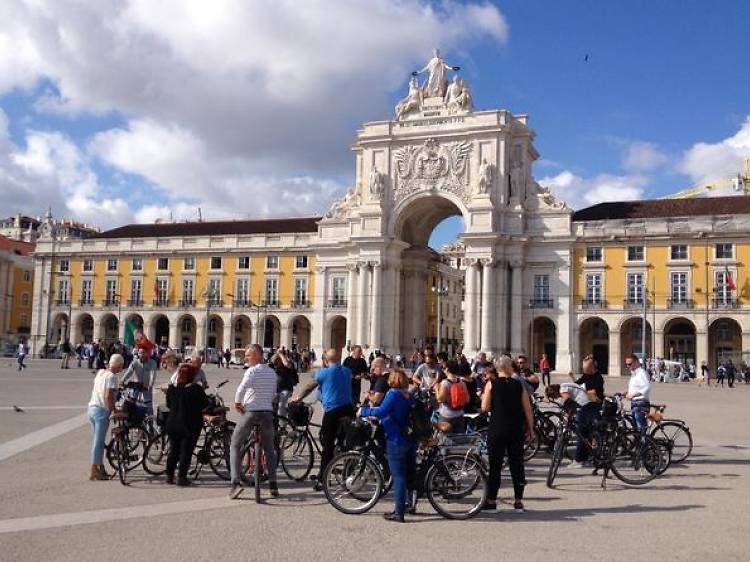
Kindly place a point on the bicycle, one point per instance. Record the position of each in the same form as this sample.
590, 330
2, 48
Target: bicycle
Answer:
137, 426
674, 434
121, 448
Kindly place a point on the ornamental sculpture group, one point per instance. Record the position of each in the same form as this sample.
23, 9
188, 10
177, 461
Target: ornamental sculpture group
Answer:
454, 96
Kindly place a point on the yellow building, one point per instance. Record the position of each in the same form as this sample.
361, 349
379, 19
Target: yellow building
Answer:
679, 263
16, 287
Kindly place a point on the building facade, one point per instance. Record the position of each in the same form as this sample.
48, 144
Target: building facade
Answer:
531, 276
27, 229
16, 289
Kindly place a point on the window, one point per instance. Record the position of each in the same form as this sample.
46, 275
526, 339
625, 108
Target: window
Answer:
137, 265
88, 265
678, 282
594, 288
272, 262
215, 262
300, 291
162, 291
635, 253
635, 288
162, 264
23, 321
541, 290
187, 325
188, 264
212, 325
64, 266
724, 251
300, 262
27, 276
187, 291
272, 292
243, 262
338, 291
136, 292
594, 254
86, 291
110, 295
214, 291
679, 252
25, 299
724, 332
723, 290
242, 294
112, 264
63, 295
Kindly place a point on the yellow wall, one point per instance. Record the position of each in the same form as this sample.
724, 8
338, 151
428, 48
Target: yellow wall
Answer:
19, 288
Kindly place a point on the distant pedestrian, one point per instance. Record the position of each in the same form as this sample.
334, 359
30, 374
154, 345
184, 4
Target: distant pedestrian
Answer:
706, 372
66, 351
545, 367
22, 352
227, 357
731, 373
720, 374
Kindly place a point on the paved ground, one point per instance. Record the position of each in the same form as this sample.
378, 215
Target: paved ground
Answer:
48, 508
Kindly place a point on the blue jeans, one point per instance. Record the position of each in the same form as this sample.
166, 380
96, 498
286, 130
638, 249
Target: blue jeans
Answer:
402, 460
640, 409
585, 419
99, 420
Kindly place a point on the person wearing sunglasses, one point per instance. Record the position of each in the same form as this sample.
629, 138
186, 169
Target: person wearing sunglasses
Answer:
639, 392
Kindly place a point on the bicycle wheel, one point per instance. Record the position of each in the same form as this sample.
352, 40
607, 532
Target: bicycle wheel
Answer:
352, 483
456, 486
678, 437
218, 453
549, 426
531, 447
121, 449
636, 459
256, 470
557, 456
155, 455
296, 454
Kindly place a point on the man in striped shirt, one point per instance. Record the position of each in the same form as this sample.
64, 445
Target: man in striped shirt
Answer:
254, 400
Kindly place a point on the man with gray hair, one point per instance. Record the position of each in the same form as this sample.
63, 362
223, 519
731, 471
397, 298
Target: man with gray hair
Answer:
142, 370
254, 400
196, 360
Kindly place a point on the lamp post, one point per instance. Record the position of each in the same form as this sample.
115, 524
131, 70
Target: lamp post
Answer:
119, 314
230, 343
210, 294
439, 291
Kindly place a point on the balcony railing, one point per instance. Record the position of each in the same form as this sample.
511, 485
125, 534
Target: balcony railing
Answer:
271, 302
337, 303
241, 303
187, 302
301, 303
215, 302
540, 303
85, 302
135, 302
632, 303
725, 302
64, 301
593, 303
680, 304
111, 302
162, 302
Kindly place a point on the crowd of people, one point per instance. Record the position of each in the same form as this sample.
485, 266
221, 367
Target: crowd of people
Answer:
502, 388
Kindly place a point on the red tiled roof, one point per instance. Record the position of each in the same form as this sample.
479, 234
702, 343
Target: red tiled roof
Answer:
665, 208
16, 246
212, 228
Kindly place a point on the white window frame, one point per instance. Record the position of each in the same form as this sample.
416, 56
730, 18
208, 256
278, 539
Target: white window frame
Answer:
541, 287
601, 254
214, 286
301, 288
163, 297
110, 291
271, 295
242, 290
87, 286
687, 252
342, 297
112, 264
297, 260
679, 292
594, 291
63, 290
240, 266
731, 249
275, 265
87, 266
136, 264
634, 246
189, 260
635, 294
158, 264
136, 290
63, 266
211, 263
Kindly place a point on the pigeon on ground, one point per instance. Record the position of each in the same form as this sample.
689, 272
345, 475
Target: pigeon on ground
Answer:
586, 58
17, 409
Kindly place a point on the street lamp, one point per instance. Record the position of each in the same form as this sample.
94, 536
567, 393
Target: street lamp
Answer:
210, 294
439, 291
230, 343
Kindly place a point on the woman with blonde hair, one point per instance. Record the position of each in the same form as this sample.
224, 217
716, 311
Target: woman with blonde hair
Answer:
400, 450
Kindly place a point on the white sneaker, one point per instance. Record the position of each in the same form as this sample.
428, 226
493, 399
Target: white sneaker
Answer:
574, 465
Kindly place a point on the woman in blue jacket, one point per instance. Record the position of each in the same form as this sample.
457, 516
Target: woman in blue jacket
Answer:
401, 451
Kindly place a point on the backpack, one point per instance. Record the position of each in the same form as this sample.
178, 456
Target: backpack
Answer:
418, 420
459, 395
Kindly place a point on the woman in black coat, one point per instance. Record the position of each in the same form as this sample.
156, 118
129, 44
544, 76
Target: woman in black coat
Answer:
186, 402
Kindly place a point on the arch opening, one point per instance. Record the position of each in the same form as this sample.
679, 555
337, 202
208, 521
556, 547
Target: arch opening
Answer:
679, 341
724, 342
593, 339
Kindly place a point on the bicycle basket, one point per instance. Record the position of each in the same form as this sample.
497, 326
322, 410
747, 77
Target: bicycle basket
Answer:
357, 435
609, 409
136, 413
299, 414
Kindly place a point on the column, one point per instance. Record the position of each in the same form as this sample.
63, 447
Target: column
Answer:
200, 331
658, 350
363, 304
501, 308
319, 340
174, 335
351, 303
615, 360
471, 308
488, 306
516, 292
377, 299
227, 340
395, 337
701, 350
285, 335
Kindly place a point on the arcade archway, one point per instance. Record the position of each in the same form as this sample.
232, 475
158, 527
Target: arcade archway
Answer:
593, 339
679, 341
724, 342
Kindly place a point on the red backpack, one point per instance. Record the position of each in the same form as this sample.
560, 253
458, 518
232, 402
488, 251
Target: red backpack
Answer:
459, 396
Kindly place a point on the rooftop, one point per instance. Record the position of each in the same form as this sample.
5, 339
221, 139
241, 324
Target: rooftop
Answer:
213, 228
665, 208
16, 246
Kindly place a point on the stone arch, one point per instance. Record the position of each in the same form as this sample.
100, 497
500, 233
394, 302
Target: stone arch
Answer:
269, 330
60, 329
215, 332
159, 329
300, 331
136, 319
109, 328
415, 217
679, 340
187, 329
593, 339
542, 339
242, 331
630, 337
337, 332
84, 328
724, 342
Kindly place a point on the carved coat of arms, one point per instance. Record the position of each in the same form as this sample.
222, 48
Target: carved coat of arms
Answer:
432, 166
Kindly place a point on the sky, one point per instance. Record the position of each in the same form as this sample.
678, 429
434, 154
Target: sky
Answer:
123, 111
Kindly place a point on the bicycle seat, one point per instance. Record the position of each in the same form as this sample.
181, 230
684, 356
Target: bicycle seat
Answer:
442, 427
472, 416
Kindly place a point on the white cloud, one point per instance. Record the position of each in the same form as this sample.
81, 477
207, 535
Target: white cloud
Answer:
581, 192
708, 162
642, 156
233, 96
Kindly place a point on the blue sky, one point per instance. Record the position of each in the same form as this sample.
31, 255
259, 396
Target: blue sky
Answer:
218, 105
